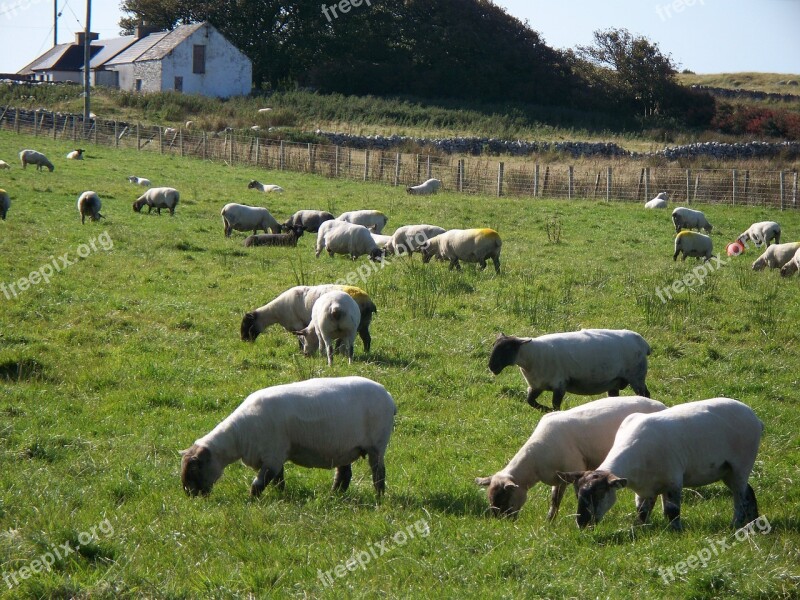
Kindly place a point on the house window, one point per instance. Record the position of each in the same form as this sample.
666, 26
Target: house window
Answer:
138, 85
179, 84
199, 59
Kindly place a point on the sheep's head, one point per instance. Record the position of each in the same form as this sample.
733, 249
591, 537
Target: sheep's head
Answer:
50, 167
789, 268
137, 206
249, 330
309, 341
708, 228
427, 252
199, 471
505, 496
504, 352
376, 255
596, 492
253, 184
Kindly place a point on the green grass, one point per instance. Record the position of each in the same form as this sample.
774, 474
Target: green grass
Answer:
131, 354
761, 82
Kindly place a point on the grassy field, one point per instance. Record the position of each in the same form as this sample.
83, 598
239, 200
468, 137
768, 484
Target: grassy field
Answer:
762, 82
133, 352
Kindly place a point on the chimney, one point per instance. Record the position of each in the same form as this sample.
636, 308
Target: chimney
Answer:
143, 30
80, 36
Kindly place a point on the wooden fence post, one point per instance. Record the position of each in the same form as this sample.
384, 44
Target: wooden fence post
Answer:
646, 184
608, 184
688, 186
733, 190
116, 134
535, 180
500, 171
230, 151
641, 183
161, 139
546, 179
54, 124
310, 157
696, 186
397, 169
462, 163
138, 147
430, 172
794, 191
570, 182
336, 162
258, 150
783, 186
747, 186
282, 157
36, 122
596, 185
205, 143
180, 140
366, 165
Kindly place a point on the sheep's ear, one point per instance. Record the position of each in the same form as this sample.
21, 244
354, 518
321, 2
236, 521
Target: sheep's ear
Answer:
617, 482
184, 452
483, 481
570, 477
500, 335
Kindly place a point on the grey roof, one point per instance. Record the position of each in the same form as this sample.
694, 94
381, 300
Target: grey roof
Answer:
48, 58
156, 45
111, 48
133, 52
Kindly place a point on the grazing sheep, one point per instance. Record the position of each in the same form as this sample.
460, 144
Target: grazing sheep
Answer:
32, 157
371, 219
292, 311
381, 240
240, 217
139, 181
791, 267
776, 256
5, 204
686, 218
189, 124
761, 233
409, 238
469, 245
89, 204
659, 201
309, 220
691, 243
347, 238
334, 317
170, 132
4, 165
585, 362
274, 239
158, 198
431, 186
578, 438
319, 423
266, 188
691, 445
76, 154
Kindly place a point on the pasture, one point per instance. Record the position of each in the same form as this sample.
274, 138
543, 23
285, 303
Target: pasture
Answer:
131, 353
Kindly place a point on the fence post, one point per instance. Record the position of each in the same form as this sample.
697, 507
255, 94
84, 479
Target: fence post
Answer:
95, 131
646, 184
546, 179
794, 191
570, 182
688, 186
696, 186
160, 139
747, 186
500, 170
462, 164
783, 186
397, 169
336, 162
16, 120
733, 191
54, 124
366, 164
258, 150
180, 140
608, 184
282, 157
430, 173
310, 158
596, 185
137, 137
116, 134
205, 141
639, 187
36, 122
535, 180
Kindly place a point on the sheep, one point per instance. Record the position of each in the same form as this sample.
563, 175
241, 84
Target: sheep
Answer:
4, 165
292, 311
371, 219
686, 218
578, 438
274, 239
761, 233
791, 267
170, 131
89, 204
240, 217
319, 423
691, 243
380, 240
334, 317
691, 444
264, 110
33, 157
76, 154
347, 238
431, 186
5, 204
776, 256
469, 245
189, 124
585, 362
139, 181
660, 201
158, 198
266, 188
309, 220
409, 238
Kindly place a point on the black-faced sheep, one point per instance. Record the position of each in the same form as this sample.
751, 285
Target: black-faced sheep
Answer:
431, 186
686, 218
691, 243
468, 245
335, 317
762, 233
309, 220
5, 204
267, 188
776, 256
158, 198
32, 157
89, 205
373, 220
76, 154
241, 217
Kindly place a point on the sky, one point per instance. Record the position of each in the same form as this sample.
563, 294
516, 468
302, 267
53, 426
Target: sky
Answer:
706, 36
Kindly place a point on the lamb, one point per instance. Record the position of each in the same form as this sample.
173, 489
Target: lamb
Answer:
240, 217
32, 157
89, 204
791, 267
292, 311
4, 165
660, 201
319, 423
776, 256
578, 438
274, 239
691, 243
158, 198
686, 218
690, 444
409, 238
371, 219
309, 220
469, 245
139, 181
761, 233
334, 317
266, 188
431, 186
585, 362
347, 238
76, 154
5, 204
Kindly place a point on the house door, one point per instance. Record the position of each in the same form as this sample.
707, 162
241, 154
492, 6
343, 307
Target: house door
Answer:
178, 84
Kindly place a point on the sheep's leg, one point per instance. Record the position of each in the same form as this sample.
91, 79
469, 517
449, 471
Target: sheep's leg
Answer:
556, 494
644, 507
613, 392
279, 481
640, 389
454, 264
378, 472
532, 396
675, 256
265, 475
341, 481
745, 506
482, 263
329, 348
350, 352
496, 261
671, 501
558, 396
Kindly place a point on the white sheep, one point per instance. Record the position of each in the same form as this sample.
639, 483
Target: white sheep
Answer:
5, 204
761, 233
319, 423
240, 217
691, 444
686, 218
347, 238
431, 186
334, 317
292, 311
660, 201
189, 124
139, 181
170, 132
791, 267
76, 154
32, 157
264, 110
89, 205
691, 243
158, 198
469, 245
266, 188
4, 165
380, 240
589, 361
776, 256
309, 220
409, 238
371, 219
578, 438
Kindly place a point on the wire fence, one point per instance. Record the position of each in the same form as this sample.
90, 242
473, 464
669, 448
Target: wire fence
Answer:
618, 180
